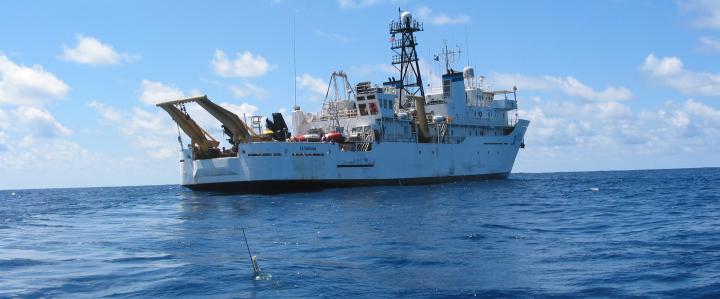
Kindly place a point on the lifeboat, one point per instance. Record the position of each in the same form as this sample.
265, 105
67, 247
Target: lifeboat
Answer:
334, 137
306, 138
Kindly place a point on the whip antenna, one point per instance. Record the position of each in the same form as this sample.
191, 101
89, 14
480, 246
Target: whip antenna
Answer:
294, 64
253, 259
467, 46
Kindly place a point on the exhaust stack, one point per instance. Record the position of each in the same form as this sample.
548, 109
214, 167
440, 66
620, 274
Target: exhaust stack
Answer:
424, 136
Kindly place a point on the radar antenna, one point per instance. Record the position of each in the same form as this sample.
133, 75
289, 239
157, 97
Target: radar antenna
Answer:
406, 59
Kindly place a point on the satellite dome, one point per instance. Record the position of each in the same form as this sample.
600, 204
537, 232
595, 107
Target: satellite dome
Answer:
406, 17
468, 72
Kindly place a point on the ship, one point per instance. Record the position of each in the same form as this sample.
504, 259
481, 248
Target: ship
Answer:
392, 133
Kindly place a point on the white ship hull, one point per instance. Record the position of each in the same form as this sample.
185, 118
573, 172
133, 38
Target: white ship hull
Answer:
269, 167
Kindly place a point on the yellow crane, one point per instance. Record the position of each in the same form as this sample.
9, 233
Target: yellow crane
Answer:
204, 145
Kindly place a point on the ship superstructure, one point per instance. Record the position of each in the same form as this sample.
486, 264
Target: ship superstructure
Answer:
393, 133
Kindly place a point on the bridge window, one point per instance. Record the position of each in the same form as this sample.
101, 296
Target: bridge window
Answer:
363, 109
373, 108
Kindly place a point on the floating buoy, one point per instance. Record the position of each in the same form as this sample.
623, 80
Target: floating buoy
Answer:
257, 273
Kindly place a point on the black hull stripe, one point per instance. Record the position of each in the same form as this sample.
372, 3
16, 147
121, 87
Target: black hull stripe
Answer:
289, 186
355, 165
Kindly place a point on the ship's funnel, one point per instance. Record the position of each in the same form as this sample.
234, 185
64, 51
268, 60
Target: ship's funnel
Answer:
469, 75
468, 72
424, 136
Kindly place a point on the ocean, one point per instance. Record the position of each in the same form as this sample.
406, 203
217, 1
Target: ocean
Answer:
649, 233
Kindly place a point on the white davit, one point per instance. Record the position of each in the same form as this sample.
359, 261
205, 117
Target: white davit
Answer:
395, 133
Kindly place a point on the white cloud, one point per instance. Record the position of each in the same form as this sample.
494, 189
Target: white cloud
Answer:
574, 134
709, 44
705, 112
45, 163
156, 92
4, 146
707, 12
608, 110
670, 72
154, 132
194, 92
345, 4
30, 152
35, 140
91, 51
21, 85
246, 89
4, 124
34, 128
40, 122
689, 120
426, 14
567, 85
108, 113
4, 120
245, 65
317, 86
662, 67
240, 110
614, 129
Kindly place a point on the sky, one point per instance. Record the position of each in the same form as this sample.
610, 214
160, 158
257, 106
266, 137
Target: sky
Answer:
607, 85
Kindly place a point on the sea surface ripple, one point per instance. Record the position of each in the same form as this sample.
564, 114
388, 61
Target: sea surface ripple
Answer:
586, 234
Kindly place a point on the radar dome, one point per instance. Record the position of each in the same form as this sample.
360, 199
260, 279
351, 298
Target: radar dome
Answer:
406, 17
468, 72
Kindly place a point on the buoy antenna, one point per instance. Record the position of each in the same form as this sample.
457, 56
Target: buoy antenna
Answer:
253, 259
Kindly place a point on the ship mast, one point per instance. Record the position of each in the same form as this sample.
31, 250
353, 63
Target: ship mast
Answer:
406, 60
449, 57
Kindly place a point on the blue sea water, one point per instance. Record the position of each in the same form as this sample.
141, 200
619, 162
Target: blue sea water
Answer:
592, 234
